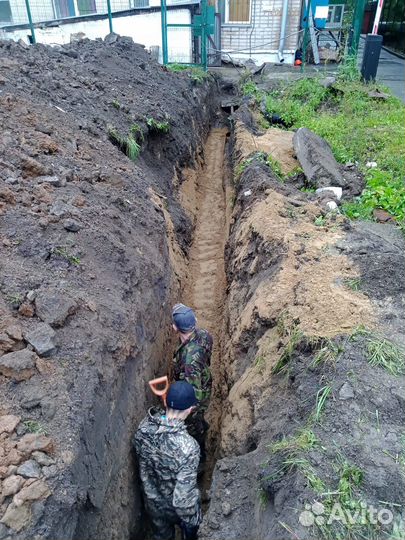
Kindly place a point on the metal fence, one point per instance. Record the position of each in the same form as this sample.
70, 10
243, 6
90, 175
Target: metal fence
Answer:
30, 18
392, 25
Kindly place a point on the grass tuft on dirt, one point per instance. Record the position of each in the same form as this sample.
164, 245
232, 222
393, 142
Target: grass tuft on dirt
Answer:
382, 352
195, 73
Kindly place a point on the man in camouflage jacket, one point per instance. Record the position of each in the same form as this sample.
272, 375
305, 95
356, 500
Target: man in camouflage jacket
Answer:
192, 361
168, 461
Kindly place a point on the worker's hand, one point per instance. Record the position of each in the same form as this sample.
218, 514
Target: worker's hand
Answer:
188, 532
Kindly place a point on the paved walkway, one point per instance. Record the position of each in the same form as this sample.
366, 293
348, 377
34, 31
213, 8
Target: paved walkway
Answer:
391, 71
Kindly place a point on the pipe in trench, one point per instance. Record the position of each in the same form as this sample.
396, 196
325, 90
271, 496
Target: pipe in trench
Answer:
282, 31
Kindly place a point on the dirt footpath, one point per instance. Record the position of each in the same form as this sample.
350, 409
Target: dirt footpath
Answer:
310, 422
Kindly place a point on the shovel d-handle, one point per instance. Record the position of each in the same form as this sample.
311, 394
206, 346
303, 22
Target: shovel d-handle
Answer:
160, 386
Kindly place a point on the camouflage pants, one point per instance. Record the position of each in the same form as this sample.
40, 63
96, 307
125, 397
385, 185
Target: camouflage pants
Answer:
163, 525
197, 427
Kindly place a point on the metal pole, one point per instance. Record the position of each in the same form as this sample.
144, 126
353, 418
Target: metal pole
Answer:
377, 17
282, 31
27, 5
204, 34
305, 38
358, 16
109, 16
163, 9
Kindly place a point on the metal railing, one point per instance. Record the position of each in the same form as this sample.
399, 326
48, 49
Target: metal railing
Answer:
34, 14
392, 24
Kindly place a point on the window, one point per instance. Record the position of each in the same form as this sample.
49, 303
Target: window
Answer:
86, 7
335, 16
142, 3
64, 8
5, 12
237, 11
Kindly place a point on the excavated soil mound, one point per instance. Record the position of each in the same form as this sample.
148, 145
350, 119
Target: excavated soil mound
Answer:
86, 276
310, 419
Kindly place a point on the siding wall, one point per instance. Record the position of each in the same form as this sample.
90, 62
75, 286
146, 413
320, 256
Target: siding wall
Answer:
264, 28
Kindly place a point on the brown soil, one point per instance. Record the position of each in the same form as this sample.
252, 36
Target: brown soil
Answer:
275, 142
205, 286
287, 275
206, 272
307, 289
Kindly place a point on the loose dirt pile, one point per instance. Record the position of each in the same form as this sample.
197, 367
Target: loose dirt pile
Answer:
275, 142
86, 277
308, 418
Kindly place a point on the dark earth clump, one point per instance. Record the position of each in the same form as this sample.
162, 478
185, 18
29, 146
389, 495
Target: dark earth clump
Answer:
85, 256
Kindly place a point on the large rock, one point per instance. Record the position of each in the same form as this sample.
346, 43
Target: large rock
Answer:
8, 423
14, 331
32, 442
37, 490
54, 307
17, 517
41, 338
12, 457
51, 180
316, 159
346, 392
32, 395
29, 469
43, 459
11, 485
18, 365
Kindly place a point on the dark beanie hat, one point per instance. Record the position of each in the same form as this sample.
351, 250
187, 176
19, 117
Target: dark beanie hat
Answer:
184, 318
181, 396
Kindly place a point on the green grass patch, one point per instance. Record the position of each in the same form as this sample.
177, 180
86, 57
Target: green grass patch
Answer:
320, 221
249, 88
304, 440
195, 73
358, 128
65, 254
128, 145
260, 363
15, 299
352, 283
137, 132
275, 167
382, 352
156, 126
34, 427
295, 336
321, 399
328, 352
260, 157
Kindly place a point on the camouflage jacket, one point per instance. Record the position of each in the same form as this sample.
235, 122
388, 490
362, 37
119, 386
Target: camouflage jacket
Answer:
192, 363
168, 461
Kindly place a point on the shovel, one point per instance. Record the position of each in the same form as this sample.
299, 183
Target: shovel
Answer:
159, 387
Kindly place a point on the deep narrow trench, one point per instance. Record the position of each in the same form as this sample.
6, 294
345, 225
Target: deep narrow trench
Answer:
206, 194
206, 280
